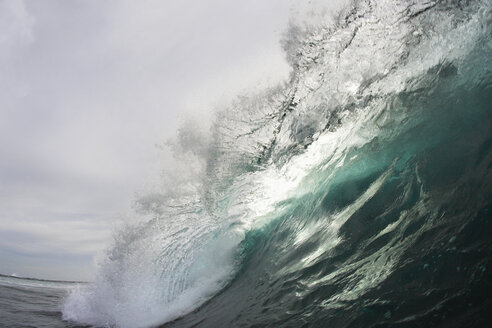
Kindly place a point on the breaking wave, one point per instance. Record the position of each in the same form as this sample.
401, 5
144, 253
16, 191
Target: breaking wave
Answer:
357, 194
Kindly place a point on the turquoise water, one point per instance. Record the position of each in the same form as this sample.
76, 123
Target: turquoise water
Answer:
396, 233
411, 216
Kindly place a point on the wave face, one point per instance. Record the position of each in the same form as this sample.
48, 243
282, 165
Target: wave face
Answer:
359, 194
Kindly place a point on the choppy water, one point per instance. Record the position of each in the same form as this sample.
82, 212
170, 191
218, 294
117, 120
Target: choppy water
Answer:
33, 303
358, 194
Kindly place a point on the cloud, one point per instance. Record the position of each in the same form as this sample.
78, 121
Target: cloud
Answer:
15, 25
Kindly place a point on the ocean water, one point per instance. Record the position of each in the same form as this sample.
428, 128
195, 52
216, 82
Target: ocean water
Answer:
33, 303
357, 194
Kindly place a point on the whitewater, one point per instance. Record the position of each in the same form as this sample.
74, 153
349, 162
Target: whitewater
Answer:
356, 194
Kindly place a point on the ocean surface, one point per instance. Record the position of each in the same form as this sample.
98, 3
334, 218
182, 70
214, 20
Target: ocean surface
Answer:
357, 194
26, 302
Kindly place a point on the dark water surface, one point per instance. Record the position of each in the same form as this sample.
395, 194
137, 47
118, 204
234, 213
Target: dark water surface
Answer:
32, 303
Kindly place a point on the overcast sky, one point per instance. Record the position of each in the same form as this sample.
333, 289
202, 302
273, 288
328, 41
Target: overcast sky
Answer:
88, 88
